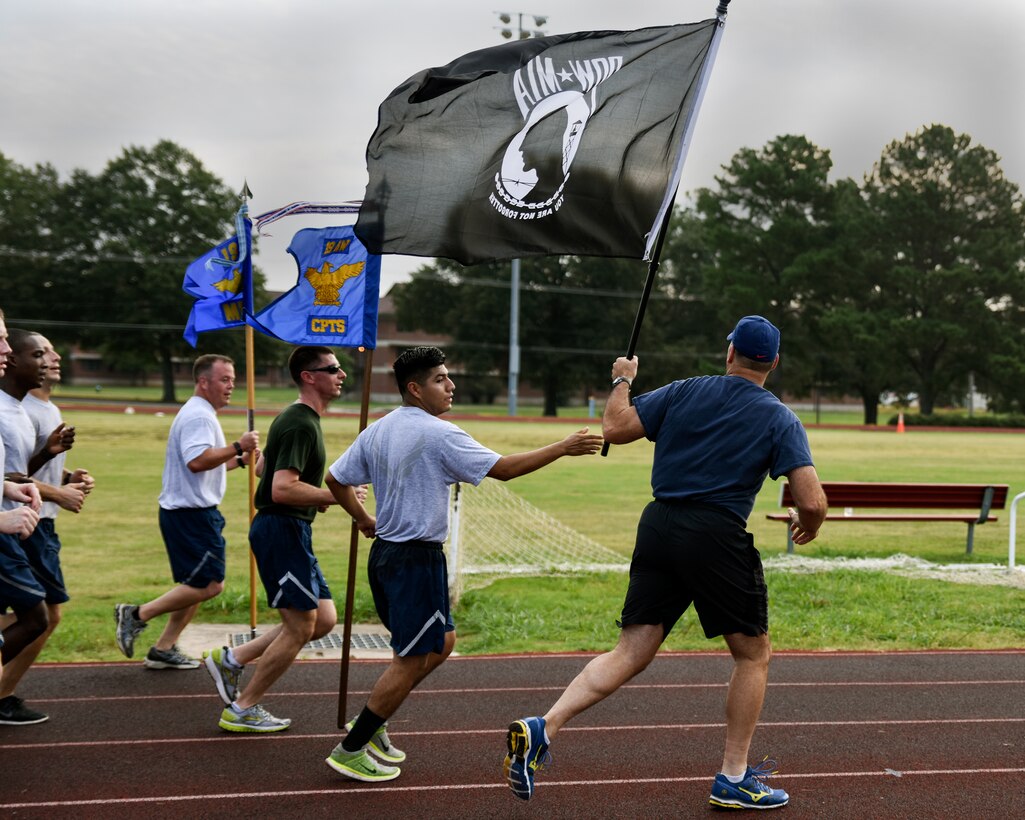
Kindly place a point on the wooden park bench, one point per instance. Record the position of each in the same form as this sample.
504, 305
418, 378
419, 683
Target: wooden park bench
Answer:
876, 495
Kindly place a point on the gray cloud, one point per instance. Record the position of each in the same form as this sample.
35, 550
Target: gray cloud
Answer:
285, 94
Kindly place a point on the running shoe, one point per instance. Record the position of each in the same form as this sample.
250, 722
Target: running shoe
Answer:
14, 712
253, 719
128, 627
380, 744
226, 675
528, 754
172, 658
360, 766
749, 793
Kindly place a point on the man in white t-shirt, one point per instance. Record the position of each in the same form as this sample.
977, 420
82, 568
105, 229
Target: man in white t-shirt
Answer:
19, 590
58, 488
412, 457
194, 483
35, 596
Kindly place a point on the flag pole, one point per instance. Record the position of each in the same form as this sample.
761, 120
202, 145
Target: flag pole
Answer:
244, 195
250, 413
350, 584
671, 189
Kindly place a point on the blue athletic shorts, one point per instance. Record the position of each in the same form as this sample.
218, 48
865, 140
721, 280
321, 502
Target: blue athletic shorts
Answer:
696, 553
43, 551
409, 582
195, 545
20, 590
283, 546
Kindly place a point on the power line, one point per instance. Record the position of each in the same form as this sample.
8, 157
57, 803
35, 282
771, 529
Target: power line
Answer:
105, 325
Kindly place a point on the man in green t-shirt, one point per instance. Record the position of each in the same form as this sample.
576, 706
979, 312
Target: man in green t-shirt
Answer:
288, 498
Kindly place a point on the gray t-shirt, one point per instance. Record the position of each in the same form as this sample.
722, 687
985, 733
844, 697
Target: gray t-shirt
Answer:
411, 458
19, 437
46, 418
194, 430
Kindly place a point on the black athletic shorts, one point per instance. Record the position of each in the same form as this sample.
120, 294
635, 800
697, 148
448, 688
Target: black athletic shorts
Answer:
696, 553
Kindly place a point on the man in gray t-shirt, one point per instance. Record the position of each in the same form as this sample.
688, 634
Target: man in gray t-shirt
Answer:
412, 457
193, 485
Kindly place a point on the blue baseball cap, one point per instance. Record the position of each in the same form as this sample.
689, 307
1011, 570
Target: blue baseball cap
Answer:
756, 338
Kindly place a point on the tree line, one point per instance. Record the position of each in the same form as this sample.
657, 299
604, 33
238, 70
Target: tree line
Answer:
98, 259
911, 281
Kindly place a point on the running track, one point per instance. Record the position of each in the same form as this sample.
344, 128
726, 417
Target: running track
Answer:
908, 735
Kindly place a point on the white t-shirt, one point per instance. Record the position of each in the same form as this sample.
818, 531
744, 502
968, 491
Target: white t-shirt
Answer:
411, 458
19, 437
194, 430
46, 417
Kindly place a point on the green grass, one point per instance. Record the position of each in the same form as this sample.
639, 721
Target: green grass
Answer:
113, 551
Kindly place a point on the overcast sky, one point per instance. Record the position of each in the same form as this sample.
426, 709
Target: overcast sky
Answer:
285, 93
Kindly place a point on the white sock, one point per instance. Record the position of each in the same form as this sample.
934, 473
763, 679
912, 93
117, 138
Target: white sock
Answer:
734, 778
229, 658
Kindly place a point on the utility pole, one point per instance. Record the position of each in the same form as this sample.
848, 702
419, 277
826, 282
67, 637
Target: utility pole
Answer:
514, 277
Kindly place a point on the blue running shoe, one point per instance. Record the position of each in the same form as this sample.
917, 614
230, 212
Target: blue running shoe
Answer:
749, 793
528, 754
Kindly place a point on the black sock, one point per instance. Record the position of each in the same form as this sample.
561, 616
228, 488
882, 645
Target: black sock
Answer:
362, 730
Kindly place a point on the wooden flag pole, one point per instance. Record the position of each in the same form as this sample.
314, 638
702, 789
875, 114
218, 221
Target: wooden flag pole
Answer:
350, 584
251, 412
245, 195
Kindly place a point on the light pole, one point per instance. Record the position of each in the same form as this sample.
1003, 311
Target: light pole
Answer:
514, 277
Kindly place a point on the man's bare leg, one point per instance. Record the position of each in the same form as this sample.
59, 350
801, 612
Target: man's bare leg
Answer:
14, 670
745, 697
635, 649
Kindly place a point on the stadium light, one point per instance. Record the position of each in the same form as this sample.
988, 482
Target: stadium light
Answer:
514, 277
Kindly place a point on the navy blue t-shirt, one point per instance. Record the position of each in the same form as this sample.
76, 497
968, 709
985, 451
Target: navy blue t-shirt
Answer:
717, 437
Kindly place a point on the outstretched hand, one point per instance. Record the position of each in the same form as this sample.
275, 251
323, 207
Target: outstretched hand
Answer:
582, 443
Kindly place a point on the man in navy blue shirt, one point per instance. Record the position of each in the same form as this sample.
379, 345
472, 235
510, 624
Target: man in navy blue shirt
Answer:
716, 439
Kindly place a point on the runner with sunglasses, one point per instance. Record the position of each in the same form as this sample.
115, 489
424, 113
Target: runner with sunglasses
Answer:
288, 498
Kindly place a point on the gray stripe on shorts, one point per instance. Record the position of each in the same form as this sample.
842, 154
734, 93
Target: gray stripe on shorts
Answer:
37, 592
207, 556
437, 616
288, 576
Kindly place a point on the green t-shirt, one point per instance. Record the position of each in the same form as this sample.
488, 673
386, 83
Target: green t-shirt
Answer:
296, 442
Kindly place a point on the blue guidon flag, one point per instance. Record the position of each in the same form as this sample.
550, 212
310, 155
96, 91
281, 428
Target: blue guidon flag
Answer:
221, 280
335, 300
569, 144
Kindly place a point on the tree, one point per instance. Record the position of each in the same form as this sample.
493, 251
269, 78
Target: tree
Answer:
846, 311
573, 315
29, 203
772, 207
135, 228
949, 228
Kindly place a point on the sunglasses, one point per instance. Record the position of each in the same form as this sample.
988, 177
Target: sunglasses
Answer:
328, 368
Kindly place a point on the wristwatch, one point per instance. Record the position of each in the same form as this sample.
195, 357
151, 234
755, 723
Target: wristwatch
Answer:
620, 379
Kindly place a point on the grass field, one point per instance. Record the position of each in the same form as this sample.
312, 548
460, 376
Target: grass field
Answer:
113, 551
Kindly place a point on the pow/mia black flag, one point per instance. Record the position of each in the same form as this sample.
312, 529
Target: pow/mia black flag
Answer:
569, 144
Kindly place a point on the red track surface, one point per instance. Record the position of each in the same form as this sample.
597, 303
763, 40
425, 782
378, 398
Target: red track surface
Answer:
909, 735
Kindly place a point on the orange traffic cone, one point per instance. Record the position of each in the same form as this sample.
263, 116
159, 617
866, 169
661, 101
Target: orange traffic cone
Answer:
900, 422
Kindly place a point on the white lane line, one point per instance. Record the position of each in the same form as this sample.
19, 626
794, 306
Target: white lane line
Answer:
365, 794
557, 688
647, 727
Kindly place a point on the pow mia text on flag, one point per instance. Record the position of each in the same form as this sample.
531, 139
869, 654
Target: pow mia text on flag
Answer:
556, 145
